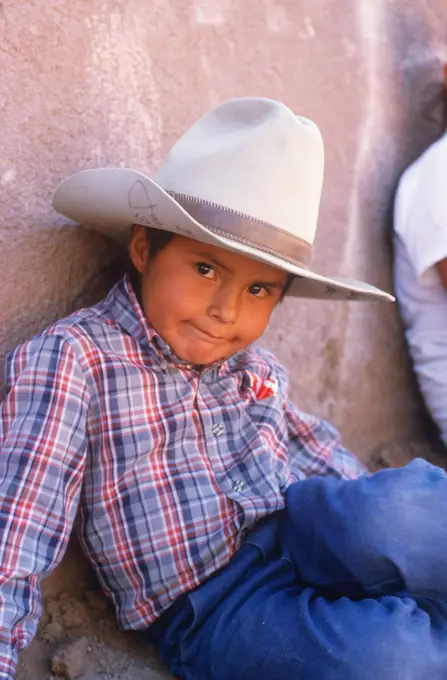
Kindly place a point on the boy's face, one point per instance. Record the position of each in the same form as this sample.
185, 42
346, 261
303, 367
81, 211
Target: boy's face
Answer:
205, 302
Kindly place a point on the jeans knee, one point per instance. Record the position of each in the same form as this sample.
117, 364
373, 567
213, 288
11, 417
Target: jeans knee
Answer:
399, 506
397, 638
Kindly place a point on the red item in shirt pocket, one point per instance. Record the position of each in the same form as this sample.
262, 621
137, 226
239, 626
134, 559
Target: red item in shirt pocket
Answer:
262, 388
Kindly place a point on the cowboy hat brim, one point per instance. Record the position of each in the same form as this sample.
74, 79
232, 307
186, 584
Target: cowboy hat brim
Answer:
110, 200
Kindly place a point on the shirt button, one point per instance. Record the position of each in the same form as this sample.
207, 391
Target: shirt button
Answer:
164, 366
217, 429
238, 486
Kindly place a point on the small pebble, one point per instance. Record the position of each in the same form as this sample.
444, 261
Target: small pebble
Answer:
68, 661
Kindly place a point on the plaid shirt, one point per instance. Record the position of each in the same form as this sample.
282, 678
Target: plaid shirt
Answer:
169, 466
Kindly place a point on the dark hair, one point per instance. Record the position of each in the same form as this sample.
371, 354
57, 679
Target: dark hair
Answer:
287, 287
444, 101
159, 239
444, 108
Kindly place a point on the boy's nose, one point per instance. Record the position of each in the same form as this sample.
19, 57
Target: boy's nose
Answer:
225, 305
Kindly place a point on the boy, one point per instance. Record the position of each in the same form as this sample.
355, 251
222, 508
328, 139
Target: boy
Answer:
234, 530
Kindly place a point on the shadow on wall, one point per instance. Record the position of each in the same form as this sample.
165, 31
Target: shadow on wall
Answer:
97, 287
28, 322
402, 72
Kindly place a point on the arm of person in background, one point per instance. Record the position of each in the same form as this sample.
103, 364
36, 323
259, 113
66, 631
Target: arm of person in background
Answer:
42, 455
441, 266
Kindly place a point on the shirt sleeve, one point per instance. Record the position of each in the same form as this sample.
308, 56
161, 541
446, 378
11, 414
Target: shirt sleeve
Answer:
315, 448
42, 455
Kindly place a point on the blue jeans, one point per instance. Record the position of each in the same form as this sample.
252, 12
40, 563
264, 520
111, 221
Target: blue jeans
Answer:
349, 582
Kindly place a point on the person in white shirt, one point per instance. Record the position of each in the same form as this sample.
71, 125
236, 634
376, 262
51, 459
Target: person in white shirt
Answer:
420, 272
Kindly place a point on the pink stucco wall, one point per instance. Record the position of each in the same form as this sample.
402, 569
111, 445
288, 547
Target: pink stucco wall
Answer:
96, 82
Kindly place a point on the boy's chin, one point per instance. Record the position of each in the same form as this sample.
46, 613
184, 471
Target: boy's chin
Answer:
200, 356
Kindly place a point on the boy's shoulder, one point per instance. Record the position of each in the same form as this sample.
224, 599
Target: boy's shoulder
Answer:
88, 322
82, 331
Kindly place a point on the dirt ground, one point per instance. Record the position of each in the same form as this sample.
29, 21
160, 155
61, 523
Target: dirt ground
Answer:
77, 635
78, 638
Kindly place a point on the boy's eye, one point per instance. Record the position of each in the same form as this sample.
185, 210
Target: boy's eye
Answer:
258, 290
205, 270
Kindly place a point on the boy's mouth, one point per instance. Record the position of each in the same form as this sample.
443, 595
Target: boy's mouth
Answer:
205, 335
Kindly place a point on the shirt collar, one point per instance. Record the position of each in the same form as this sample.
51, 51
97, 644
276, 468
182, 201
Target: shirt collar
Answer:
125, 309
123, 305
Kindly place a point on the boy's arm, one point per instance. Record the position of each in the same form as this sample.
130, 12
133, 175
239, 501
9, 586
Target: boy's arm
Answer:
42, 455
315, 448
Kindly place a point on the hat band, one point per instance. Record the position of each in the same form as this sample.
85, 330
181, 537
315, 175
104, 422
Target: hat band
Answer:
248, 230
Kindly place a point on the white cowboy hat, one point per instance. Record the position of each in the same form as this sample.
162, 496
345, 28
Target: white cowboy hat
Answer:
247, 176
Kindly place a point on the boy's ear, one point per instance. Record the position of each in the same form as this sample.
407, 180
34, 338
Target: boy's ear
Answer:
139, 247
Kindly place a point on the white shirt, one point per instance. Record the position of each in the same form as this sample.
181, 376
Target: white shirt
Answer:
420, 241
